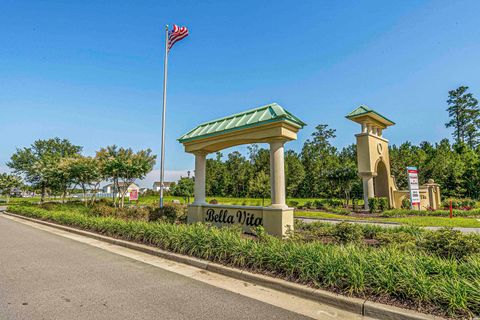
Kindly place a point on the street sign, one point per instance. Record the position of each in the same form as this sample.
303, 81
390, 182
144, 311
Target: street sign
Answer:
412, 174
133, 195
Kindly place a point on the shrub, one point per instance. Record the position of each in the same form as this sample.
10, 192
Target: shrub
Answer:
103, 210
435, 213
213, 201
355, 205
449, 243
378, 204
373, 205
335, 203
382, 204
169, 212
133, 213
402, 239
47, 205
308, 205
406, 203
343, 211
293, 204
461, 204
346, 232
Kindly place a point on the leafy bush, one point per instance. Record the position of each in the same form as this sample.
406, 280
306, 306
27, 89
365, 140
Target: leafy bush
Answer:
402, 239
134, 213
292, 204
169, 212
436, 213
309, 205
461, 204
378, 204
382, 204
319, 204
335, 203
449, 243
213, 201
406, 204
103, 210
355, 205
48, 205
346, 232
343, 211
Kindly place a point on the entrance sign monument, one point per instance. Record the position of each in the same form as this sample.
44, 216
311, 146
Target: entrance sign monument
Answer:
373, 160
270, 124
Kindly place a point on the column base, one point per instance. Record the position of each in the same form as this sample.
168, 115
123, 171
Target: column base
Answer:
276, 221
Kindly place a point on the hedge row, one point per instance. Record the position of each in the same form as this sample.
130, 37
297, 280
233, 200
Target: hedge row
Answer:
436, 213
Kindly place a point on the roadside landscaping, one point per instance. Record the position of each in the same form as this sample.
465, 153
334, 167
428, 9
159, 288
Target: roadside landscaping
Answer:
435, 272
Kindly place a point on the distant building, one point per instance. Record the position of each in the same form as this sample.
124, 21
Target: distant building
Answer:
143, 190
156, 186
110, 188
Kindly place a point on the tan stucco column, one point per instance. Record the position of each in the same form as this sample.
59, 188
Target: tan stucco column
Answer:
277, 174
368, 191
199, 190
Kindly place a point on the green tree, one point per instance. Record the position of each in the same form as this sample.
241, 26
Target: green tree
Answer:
86, 172
184, 188
39, 163
464, 112
238, 171
404, 156
259, 186
123, 166
318, 157
294, 173
215, 178
8, 184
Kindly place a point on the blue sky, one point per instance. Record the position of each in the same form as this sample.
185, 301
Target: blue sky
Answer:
91, 71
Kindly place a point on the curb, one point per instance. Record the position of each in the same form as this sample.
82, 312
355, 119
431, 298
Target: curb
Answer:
356, 305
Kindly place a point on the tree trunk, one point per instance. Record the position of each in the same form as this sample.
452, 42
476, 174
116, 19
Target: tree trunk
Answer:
42, 197
85, 196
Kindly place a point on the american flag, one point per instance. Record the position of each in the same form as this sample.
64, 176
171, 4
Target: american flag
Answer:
177, 34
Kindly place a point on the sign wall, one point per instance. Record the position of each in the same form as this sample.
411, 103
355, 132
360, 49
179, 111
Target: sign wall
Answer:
412, 175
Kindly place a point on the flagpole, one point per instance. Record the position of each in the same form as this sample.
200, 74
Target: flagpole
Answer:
162, 158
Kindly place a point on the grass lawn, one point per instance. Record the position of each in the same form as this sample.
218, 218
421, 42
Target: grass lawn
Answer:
411, 220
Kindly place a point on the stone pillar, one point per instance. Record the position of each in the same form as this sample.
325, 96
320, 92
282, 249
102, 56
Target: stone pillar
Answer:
364, 127
368, 191
277, 174
199, 191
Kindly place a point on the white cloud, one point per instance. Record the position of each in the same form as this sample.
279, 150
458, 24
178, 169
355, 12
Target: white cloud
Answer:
154, 175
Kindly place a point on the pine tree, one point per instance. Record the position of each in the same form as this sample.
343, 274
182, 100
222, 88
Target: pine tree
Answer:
465, 116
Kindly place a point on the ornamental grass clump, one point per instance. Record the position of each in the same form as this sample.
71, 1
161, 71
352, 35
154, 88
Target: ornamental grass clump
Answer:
415, 278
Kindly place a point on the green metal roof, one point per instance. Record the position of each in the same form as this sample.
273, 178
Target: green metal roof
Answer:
363, 110
247, 119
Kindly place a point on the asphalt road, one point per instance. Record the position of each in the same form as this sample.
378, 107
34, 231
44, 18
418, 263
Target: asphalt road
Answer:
45, 276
